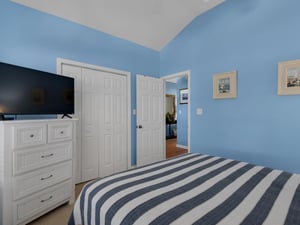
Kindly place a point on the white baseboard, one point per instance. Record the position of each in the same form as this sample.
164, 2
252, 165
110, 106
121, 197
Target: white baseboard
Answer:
182, 146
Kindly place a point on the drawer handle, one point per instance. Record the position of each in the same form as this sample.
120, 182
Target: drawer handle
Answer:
45, 178
45, 200
46, 156
31, 135
61, 132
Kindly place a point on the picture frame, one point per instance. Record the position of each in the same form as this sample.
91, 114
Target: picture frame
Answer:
289, 78
184, 96
225, 85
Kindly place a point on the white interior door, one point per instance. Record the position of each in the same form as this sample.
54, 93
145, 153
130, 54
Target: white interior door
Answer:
113, 135
75, 72
91, 108
150, 120
104, 135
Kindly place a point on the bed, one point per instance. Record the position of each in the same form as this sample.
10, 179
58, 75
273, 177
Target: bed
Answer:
191, 189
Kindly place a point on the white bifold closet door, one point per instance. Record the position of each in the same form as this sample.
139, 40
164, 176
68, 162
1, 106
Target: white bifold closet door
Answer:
104, 127
102, 106
75, 72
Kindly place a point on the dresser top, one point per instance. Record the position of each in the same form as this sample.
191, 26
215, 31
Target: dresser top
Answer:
35, 121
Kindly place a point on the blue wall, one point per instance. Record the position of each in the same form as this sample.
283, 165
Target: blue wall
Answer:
251, 37
34, 39
182, 115
171, 88
248, 36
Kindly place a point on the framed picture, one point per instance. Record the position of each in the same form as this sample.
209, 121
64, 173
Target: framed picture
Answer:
184, 96
224, 85
289, 78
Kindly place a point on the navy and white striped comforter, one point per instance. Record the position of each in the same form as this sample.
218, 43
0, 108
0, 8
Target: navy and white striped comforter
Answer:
191, 189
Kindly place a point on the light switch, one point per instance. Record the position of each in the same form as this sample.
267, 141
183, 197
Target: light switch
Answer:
199, 111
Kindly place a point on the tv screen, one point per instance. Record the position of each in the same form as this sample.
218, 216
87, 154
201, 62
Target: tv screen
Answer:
29, 91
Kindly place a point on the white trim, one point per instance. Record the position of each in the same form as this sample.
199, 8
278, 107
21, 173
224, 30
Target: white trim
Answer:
89, 66
187, 74
61, 61
182, 146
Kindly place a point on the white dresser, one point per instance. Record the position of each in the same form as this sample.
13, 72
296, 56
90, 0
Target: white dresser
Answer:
36, 168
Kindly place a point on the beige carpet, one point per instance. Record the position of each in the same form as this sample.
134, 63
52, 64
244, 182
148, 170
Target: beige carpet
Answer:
60, 215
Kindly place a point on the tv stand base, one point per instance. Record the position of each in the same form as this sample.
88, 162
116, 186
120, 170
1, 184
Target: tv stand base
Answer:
66, 115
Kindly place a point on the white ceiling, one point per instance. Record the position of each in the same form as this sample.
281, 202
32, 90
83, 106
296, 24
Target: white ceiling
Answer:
150, 23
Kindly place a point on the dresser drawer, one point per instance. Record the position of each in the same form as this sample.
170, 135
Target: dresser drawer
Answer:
34, 158
61, 131
33, 182
40, 202
29, 135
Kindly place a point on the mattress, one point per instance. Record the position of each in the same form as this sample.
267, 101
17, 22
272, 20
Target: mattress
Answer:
191, 189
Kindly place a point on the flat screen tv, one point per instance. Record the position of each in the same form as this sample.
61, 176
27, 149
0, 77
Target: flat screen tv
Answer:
26, 91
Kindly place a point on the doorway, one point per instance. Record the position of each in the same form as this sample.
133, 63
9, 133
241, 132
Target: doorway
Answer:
177, 113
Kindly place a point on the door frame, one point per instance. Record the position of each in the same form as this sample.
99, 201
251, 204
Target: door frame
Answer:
187, 74
60, 61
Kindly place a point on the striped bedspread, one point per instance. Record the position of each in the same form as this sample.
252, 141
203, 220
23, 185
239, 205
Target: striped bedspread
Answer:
191, 189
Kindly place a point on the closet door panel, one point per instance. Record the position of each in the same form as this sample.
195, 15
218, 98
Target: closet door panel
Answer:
75, 72
106, 135
114, 122
90, 126
120, 127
